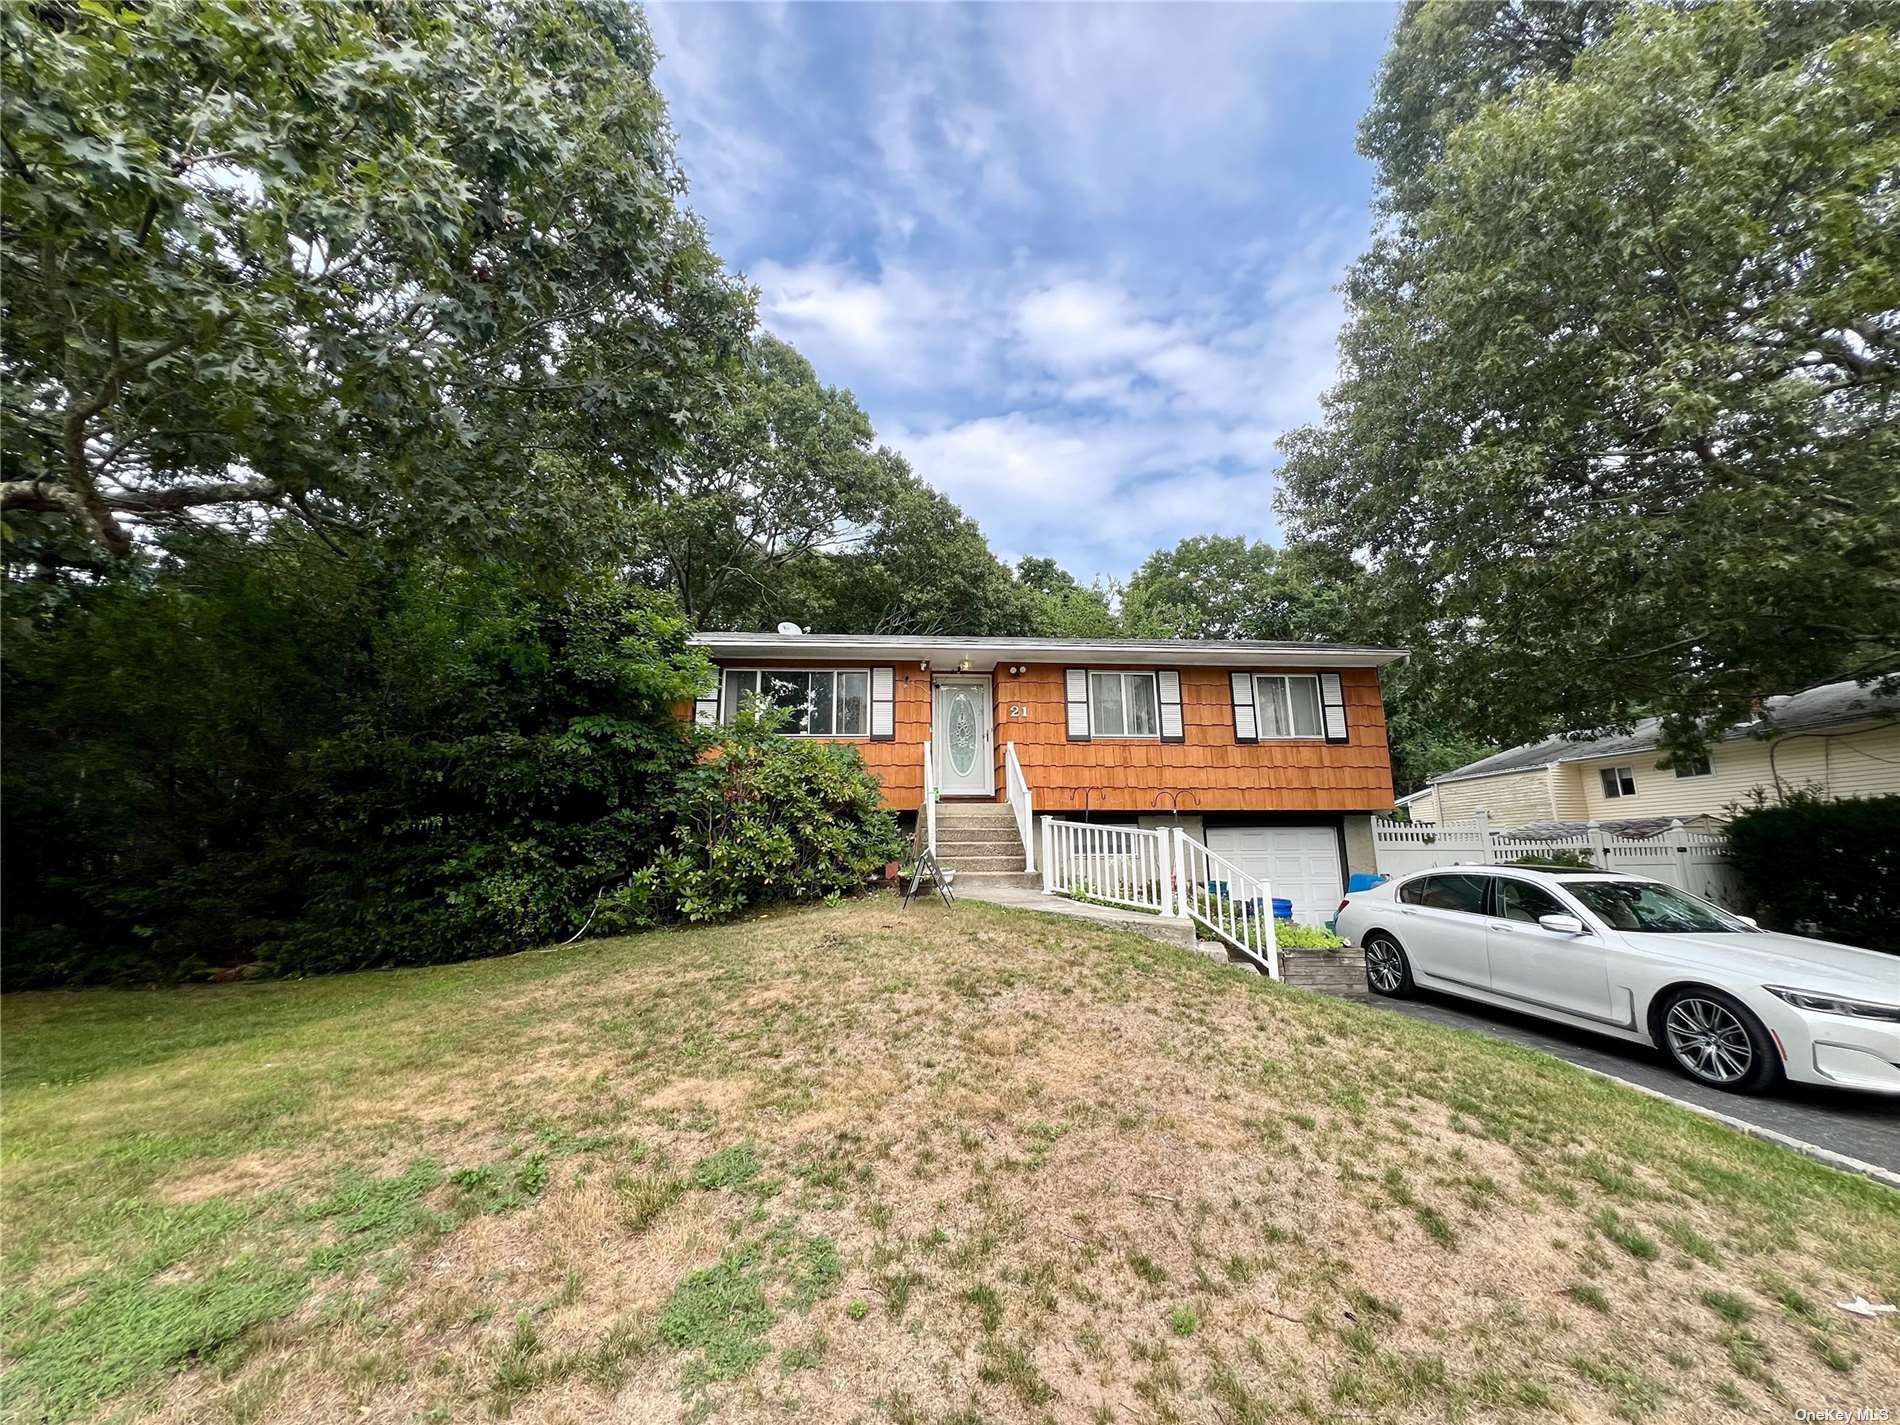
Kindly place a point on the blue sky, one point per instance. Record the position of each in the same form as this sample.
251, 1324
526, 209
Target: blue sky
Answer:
1077, 262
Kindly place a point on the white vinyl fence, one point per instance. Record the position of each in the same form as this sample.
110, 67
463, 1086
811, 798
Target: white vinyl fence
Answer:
1695, 861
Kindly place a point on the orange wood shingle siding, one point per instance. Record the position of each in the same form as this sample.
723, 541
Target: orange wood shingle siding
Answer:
1208, 771
899, 764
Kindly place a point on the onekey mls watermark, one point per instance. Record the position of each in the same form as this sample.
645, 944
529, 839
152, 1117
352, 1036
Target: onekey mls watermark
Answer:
1846, 1414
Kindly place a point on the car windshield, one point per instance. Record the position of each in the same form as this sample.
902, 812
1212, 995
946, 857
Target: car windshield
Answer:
1649, 906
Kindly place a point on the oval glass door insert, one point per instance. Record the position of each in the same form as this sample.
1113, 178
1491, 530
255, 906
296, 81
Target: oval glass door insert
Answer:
963, 735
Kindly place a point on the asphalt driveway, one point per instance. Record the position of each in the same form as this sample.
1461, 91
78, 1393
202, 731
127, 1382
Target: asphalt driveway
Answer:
1863, 1126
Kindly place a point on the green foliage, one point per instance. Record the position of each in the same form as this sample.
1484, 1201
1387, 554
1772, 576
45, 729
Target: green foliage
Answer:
1589, 490
724, 1311
349, 762
1291, 935
1832, 864
924, 567
1216, 586
377, 262
513, 762
729, 1167
767, 478
1060, 606
763, 818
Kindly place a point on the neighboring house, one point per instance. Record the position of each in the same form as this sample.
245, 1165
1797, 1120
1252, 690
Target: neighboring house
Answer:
1273, 754
1841, 738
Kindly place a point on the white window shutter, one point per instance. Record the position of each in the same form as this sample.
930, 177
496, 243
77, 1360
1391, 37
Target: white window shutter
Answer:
884, 704
706, 705
1246, 723
1168, 690
1076, 684
1332, 699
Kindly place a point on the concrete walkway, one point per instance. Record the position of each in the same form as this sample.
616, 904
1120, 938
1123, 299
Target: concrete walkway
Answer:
1173, 930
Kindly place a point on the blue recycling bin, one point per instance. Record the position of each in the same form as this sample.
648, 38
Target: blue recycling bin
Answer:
1282, 909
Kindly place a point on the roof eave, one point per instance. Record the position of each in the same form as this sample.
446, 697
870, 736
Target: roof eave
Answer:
986, 653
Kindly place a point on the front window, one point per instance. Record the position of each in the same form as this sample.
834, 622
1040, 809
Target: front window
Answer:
1618, 782
1694, 767
1651, 907
823, 702
1123, 705
1288, 704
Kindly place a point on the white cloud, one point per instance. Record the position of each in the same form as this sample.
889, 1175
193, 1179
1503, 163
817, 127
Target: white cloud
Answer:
1050, 248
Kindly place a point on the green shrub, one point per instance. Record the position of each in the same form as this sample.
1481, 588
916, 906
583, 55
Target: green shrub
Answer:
763, 818
1834, 865
1291, 935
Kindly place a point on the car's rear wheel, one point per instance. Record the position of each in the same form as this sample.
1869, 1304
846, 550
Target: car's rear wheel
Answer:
1716, 1040
1388, 972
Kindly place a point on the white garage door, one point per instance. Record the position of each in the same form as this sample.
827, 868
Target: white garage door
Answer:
1300, 863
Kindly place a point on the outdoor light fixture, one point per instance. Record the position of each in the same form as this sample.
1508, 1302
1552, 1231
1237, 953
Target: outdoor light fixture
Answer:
964, 666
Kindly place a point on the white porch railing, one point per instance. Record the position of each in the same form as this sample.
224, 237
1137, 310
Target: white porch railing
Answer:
1016, 787
927, 818
1167, 872
1122, 865
1236, 905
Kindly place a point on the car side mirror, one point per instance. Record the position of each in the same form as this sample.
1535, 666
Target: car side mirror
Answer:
1562, 924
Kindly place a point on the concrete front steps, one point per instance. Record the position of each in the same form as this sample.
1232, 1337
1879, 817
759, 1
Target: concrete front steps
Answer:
979, 839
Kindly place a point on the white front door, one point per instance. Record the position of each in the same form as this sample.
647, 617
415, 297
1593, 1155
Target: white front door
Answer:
1300, 863
960, 719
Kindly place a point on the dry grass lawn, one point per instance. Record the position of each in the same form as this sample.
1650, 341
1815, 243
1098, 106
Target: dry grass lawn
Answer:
864, 1164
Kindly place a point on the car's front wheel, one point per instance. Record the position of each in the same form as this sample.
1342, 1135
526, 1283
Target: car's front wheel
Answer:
1388, 972
1716, 1040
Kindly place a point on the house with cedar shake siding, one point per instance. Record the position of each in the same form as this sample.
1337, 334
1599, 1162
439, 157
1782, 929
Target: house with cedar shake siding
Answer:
1272, 754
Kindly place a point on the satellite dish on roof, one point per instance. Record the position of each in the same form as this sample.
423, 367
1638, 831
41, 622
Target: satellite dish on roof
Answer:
790, 630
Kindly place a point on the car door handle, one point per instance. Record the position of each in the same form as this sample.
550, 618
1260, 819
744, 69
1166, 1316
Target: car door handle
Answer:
1497, 925
1407, 910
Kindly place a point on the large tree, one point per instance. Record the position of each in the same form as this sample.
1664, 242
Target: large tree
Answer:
1059, 605
1617, 421
356, 261
923, 567
781, 470
1227, 586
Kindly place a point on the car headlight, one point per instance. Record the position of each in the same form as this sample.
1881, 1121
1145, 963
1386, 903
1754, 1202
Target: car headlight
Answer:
1834, 1004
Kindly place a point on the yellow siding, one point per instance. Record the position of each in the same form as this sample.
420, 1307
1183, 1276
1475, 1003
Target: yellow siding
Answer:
1566, 792
1864, 764
1854, 764
1511, 798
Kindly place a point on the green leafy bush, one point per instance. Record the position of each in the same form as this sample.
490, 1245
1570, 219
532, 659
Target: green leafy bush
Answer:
1290, 935
384, 760
344, 763
763, 818
1834, 865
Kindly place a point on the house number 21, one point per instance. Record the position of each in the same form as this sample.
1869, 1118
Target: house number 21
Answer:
1018, 710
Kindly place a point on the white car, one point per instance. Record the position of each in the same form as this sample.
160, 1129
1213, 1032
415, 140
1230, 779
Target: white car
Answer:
1734, 1006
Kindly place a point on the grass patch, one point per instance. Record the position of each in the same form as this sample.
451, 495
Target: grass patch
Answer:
728, 1168
1626, 1235
427, 1193
1585, 1294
